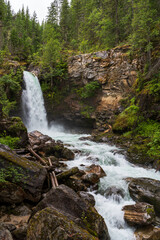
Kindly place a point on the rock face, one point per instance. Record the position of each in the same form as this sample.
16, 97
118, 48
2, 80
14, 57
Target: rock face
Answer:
139, 214
148, 233
26, 174
113, 70
66, 202
146, 190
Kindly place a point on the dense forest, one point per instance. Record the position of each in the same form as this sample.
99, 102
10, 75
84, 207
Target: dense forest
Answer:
82, 26
88, 75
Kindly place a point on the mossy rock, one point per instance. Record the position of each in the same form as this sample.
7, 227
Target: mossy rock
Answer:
51, 224
14, 127
126, 120
68, 202
29, 175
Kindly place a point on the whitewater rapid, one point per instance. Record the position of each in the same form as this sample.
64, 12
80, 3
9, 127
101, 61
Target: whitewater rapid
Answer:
116, 167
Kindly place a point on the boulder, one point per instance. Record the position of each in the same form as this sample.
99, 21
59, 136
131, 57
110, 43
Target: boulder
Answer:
87, 197
66, 174
97, 169
91, 178
76, 184
5, 234
45, 145
147, 233
116, 193
26, 174
51, 224
11, 193
139, 214
21, 210
71, 205
146, 190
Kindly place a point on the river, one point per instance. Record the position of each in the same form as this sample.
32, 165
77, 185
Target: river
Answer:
116, 167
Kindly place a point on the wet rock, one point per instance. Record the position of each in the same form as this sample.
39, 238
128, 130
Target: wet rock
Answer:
87, 197
11, 193
67, 153
93, 159
68, 203
76, 184
139, 214
117, 193
26, 174
90, 178
147, 233
5, 234
53, 225
45, 145
146, 190
66, 174
97, 169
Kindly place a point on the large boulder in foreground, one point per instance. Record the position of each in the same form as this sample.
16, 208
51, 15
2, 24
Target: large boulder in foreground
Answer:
51, 224
146, 190
67, 202
26, 174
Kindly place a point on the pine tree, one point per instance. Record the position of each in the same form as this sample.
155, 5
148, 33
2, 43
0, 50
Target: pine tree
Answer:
52, 16
65, 22
144, 27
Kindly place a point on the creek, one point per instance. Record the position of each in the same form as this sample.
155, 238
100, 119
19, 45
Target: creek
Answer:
115, 165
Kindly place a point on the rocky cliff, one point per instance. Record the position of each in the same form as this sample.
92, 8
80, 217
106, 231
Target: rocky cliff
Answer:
113, 70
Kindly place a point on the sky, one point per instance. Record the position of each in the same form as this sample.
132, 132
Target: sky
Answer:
39, 6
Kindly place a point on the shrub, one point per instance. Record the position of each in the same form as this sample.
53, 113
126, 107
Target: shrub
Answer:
127, 119
88, 90
12, 142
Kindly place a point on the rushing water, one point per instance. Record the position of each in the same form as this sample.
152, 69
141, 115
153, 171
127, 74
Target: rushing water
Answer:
34, 113
114, 164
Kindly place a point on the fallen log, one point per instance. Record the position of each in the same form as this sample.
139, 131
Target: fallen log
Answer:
53, 176
36, 155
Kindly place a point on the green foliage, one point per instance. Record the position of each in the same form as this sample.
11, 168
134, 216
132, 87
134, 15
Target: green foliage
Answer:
127, 119
9, 87
153, 86
88, 90
12, 142
151, 129
11, 173
87, 111
144, 26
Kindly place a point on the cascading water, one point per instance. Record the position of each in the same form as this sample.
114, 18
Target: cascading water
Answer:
34, 113
115, 165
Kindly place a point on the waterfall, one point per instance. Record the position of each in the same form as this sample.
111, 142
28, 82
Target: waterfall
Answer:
114, 164
34, 113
